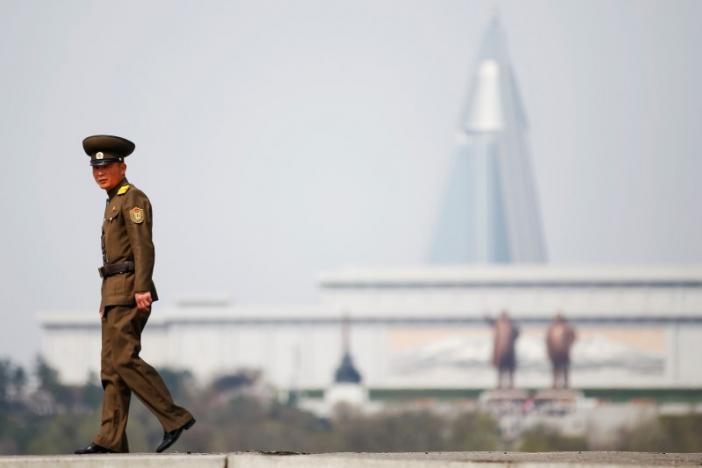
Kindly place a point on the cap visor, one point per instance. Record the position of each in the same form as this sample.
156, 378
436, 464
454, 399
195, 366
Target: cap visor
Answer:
102, 162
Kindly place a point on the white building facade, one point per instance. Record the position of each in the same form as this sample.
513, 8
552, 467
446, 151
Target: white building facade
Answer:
426, 328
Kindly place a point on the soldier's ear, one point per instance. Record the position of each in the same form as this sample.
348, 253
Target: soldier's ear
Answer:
124, 168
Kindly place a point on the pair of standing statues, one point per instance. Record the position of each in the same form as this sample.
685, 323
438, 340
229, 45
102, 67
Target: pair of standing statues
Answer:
560, 337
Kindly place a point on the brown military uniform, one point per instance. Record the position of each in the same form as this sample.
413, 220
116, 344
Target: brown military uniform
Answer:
126, 240
126, 236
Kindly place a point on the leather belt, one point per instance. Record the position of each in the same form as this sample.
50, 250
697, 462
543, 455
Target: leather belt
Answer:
111, 269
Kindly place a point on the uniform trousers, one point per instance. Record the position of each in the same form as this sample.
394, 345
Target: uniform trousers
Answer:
123, 372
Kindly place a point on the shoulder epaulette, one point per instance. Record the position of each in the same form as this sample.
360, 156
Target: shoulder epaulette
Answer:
123, 189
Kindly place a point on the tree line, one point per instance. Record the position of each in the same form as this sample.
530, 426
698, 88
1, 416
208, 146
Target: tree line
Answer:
40, 415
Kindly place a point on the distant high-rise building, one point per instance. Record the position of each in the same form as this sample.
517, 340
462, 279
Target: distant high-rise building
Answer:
490, 212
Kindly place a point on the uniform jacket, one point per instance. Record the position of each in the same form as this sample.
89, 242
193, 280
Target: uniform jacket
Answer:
126, 236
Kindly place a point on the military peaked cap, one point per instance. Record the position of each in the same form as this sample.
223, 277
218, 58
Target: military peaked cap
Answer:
107, 149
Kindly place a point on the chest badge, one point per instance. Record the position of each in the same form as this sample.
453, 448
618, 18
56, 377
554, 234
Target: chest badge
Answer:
136, 214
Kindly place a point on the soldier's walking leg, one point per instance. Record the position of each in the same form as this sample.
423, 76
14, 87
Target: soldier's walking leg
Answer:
116, 395
140, 377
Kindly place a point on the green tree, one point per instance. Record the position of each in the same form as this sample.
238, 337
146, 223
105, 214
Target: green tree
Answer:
665, 434
391, 432
18, 381
179, 383
47, 375
684, 433
5, 370
475, 431
546, 439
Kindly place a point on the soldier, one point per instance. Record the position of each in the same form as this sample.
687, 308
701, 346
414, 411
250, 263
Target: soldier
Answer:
127, 294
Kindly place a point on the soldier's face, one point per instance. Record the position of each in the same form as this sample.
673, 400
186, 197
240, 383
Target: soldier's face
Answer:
107, 177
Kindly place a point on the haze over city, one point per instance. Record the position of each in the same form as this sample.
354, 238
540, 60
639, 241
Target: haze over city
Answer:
279, 140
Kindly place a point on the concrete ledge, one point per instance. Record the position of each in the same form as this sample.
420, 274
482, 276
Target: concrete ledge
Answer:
117, 461
464, 460
362, 460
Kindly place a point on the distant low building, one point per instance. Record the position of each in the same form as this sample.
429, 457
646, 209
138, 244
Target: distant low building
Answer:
427, 328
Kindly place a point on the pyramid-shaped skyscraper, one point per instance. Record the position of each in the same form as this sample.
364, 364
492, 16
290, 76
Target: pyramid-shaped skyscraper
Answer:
490, 212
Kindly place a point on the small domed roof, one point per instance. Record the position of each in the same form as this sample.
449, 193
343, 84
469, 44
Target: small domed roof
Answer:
347, 373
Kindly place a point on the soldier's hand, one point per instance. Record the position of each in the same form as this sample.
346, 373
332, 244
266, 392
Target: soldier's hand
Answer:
102, 313
143, 300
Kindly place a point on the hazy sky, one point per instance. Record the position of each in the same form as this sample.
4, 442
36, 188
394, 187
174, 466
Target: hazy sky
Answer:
279, 139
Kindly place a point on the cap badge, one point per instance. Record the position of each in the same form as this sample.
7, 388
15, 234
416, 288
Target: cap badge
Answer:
99, 155
136, 214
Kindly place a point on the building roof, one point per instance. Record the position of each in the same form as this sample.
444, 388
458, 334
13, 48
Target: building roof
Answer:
515, 275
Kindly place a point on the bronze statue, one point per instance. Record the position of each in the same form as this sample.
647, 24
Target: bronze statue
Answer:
559, 339
503, 354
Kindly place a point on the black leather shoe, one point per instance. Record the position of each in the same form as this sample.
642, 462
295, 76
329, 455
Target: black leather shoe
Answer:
169, 438
93, 448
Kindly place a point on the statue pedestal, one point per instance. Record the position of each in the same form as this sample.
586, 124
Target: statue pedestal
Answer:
557, 402
506, 395
559, 395
507, 406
